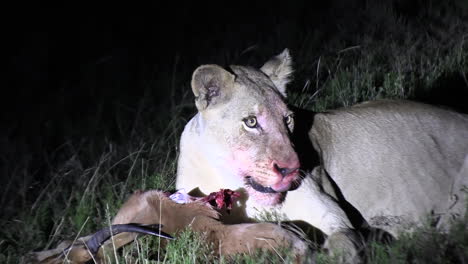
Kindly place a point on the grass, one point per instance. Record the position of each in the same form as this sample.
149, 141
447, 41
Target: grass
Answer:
426, 245
72, 189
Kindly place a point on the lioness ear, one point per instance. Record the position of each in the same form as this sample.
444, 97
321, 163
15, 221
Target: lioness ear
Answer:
211, 85
279, 70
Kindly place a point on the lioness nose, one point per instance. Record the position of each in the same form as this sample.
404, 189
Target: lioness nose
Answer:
285, 171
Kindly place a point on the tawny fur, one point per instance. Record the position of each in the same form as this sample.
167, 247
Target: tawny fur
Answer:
153, 207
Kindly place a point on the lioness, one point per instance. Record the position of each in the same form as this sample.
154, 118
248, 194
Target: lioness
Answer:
394, 162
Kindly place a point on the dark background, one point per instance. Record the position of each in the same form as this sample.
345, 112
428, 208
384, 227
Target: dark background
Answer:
76, 71
68, 64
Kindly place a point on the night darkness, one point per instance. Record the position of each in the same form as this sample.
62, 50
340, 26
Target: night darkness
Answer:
67, 65
78, 76
63, 62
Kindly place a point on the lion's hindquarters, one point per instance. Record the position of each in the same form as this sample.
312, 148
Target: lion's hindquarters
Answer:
395, 162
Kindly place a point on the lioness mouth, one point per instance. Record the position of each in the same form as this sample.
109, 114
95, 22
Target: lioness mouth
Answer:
257, 186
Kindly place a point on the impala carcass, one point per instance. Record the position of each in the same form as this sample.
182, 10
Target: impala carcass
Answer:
153, 212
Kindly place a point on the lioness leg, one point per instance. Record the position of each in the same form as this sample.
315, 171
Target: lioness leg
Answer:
318, 206
323, 212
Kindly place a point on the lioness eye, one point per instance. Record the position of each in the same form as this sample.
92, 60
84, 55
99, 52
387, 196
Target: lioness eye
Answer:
251, 121
289, 119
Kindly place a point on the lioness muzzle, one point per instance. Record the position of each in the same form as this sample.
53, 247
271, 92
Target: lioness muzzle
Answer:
257, 186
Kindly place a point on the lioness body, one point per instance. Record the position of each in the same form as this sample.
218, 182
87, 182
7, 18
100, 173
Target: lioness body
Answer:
394, 161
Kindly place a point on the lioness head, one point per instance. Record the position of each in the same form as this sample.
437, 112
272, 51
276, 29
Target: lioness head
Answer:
240, 136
